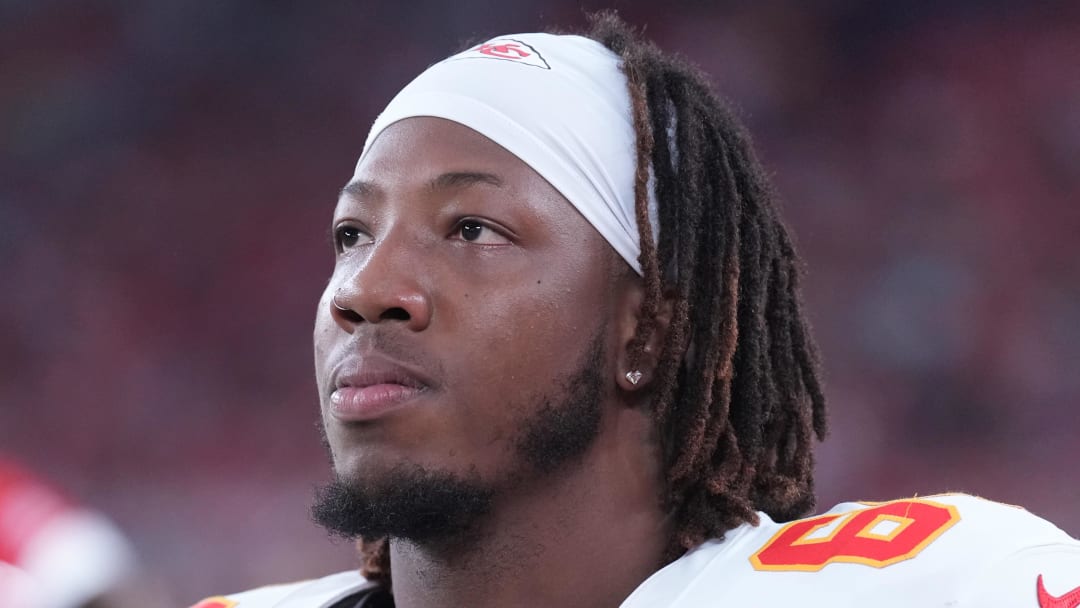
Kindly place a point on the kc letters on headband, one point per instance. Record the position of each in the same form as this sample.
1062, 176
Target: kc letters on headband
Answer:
559, 103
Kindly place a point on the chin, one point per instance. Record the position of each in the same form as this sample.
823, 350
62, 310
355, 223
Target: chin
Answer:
359, 465
370, 465
402, 500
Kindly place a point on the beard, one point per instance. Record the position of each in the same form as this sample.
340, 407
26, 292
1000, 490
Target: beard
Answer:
424, 505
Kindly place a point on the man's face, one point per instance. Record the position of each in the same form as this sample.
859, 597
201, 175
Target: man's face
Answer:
477, 302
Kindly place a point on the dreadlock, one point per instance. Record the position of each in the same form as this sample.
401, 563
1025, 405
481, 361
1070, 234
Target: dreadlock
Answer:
737, 396
738, 399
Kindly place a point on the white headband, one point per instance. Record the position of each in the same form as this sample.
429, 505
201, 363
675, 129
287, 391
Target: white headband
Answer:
560, 104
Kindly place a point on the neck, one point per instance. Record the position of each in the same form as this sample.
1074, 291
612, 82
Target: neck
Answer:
584, 536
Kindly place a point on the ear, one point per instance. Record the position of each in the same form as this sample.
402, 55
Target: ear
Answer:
636, 366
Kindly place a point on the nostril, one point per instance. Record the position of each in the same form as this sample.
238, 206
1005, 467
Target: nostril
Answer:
397, 314
348, 314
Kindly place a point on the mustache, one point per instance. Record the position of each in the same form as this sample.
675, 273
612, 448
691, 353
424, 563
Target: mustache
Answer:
388, 343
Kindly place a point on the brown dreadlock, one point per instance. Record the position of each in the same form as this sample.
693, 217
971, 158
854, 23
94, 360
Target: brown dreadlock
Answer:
737, 394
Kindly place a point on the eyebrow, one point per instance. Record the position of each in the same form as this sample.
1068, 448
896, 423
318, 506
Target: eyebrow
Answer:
359, 189
447, 181
463, 179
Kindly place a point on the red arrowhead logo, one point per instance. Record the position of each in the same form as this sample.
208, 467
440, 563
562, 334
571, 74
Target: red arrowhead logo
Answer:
505, 49
1069, 600
509, 50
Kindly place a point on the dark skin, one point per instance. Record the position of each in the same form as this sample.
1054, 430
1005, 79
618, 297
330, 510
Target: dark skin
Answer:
457, 260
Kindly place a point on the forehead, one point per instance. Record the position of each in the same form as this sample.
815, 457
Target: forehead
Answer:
423, 148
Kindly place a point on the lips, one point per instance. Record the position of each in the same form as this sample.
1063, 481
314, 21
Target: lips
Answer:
369, 388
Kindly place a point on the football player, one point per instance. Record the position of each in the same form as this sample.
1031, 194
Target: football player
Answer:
562, 362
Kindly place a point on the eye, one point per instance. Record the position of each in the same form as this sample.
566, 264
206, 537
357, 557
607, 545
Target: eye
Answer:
347, 237
475, 231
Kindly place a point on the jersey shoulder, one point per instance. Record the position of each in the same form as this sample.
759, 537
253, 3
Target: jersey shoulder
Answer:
316, 593
922, 551
955, 523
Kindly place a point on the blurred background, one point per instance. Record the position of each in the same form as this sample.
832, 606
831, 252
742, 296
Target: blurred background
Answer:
168, 172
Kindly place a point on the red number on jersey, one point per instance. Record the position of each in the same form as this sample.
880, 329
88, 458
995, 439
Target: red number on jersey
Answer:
877, 536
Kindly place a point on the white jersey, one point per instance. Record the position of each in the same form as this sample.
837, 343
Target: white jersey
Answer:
950, 550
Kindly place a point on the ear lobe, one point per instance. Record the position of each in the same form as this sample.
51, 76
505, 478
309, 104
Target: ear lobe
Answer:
639, 355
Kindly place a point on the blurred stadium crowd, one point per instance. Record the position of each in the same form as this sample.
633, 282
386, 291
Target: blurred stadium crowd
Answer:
168, 170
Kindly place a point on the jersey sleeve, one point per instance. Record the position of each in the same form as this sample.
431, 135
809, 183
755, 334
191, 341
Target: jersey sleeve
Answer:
1042, 576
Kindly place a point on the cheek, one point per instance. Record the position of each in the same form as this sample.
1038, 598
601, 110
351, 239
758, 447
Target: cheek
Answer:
524, 345
323, 336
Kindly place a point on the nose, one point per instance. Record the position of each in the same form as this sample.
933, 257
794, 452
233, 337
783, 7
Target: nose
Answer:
384, 289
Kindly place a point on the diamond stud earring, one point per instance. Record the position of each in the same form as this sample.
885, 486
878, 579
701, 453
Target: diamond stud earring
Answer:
634, 377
